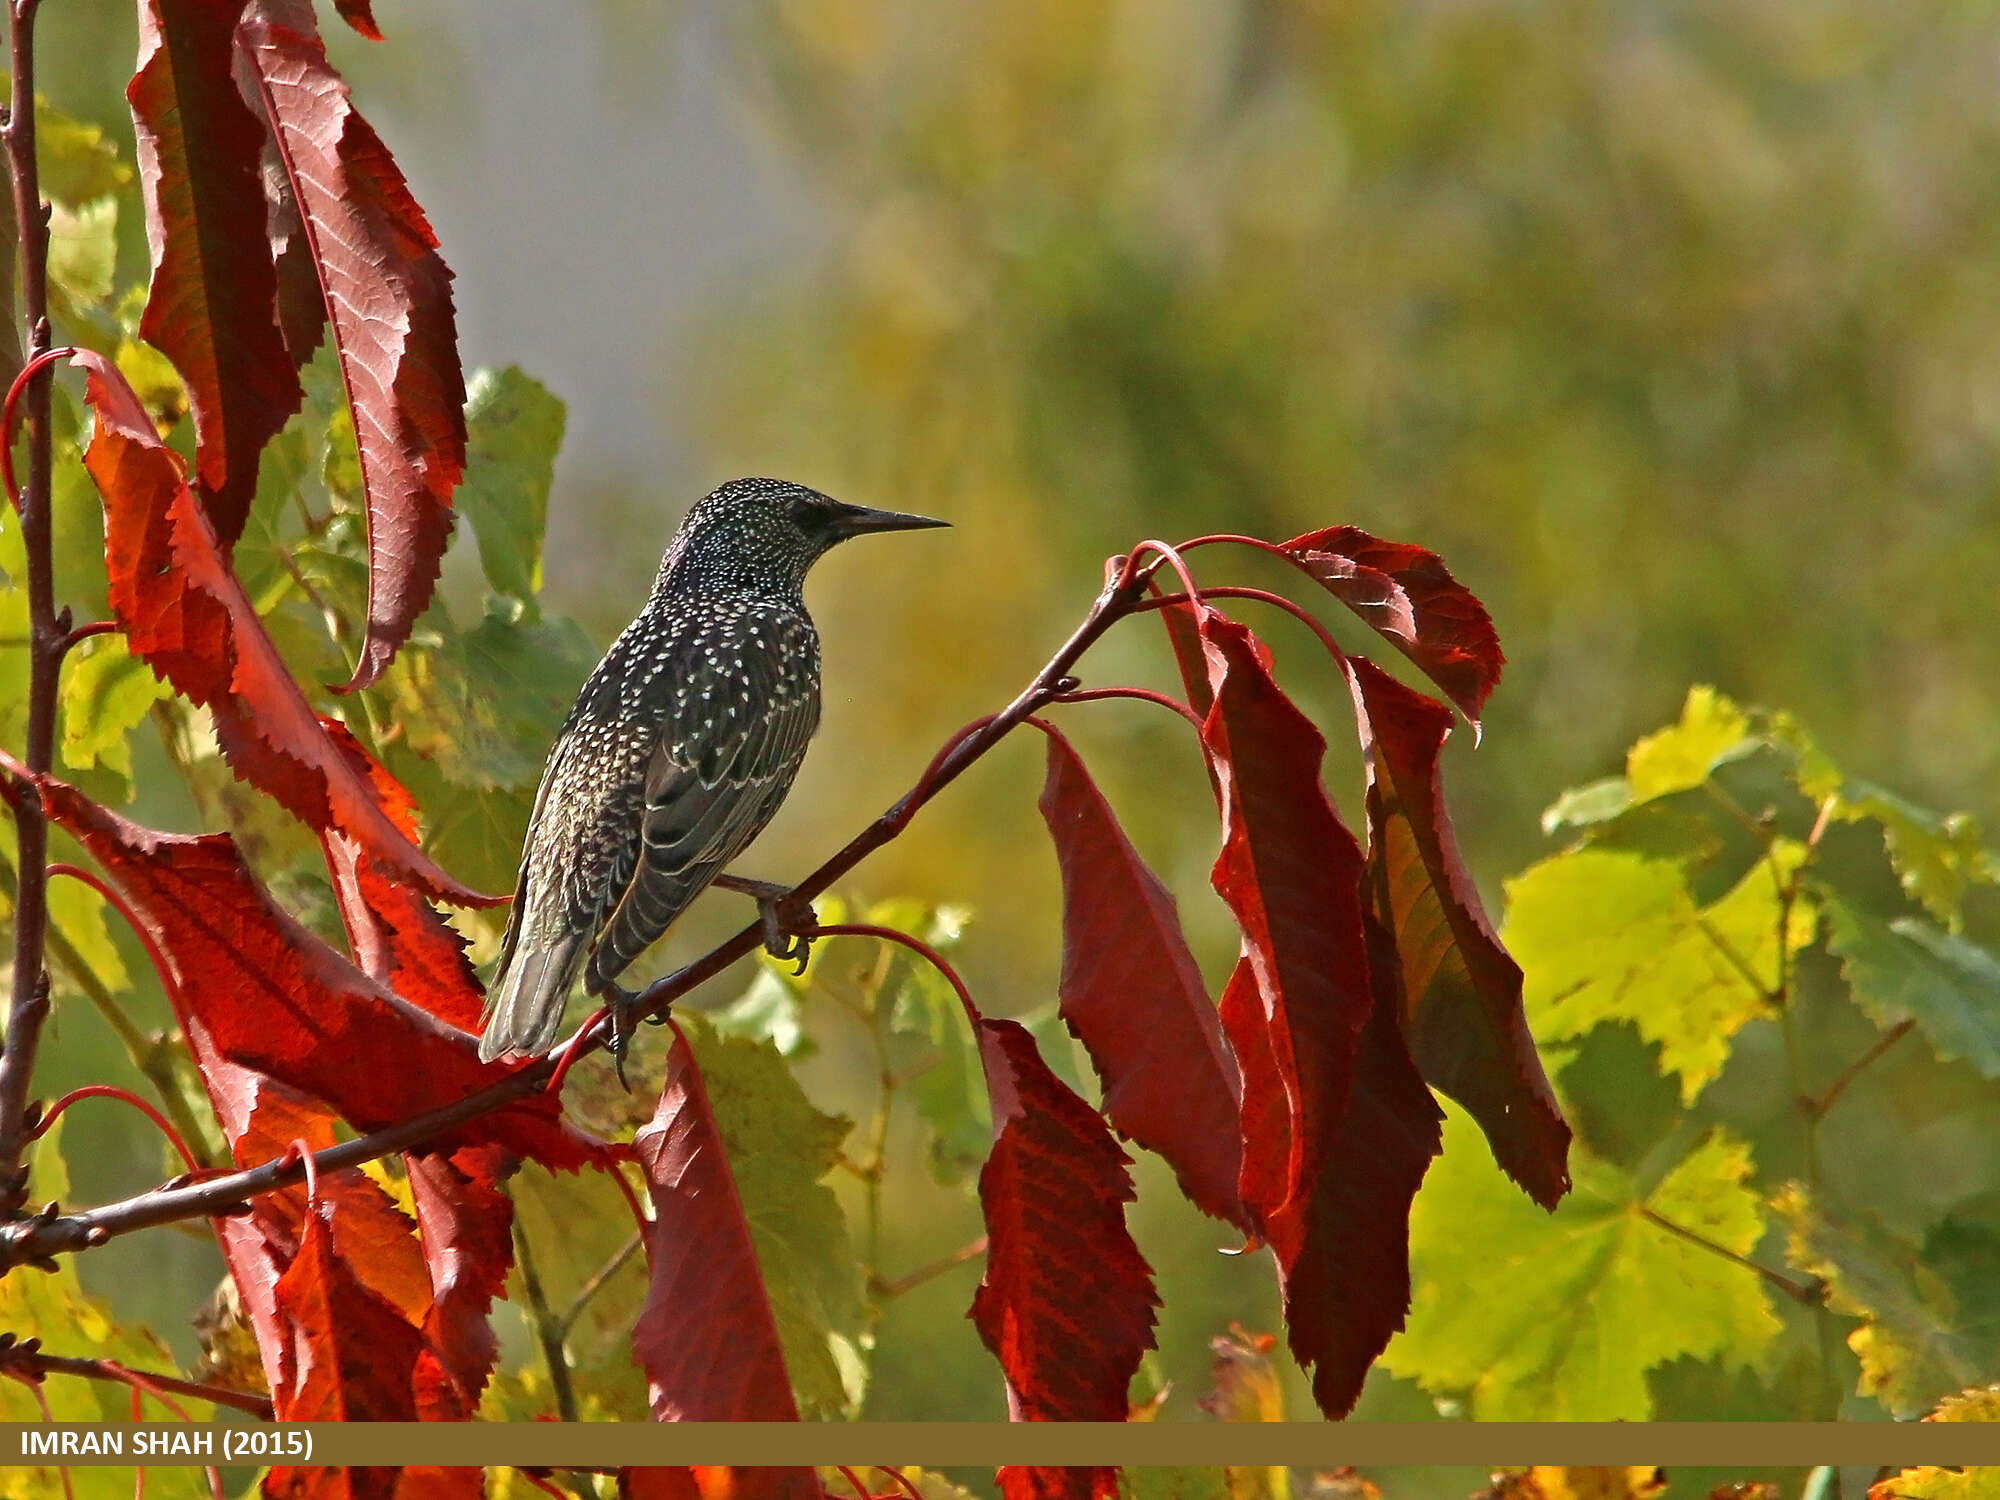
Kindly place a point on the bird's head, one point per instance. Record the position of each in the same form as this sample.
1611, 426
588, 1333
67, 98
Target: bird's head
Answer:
761, 535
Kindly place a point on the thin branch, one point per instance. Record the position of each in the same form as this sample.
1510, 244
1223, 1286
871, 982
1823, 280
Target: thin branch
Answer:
29, 1006
592, 1287
26, 1358
1816, 1105
37, 1239
884, 1290
1805, 1293
548, 1332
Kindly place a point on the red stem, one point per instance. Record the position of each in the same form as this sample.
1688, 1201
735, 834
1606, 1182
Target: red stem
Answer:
31, 1364
541, 1484
1143, 695
112, 1091
915, 945
29, 371
860, 1489
639, 1218
1231, 591
117, 902
574, 1049
1129, 572
902, 1480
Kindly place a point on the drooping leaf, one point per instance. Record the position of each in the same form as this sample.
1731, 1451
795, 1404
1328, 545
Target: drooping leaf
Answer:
1133, 996
185, 613
212, 305
1463, 1017
1609, 935
1291, 875
1408, 595
1930, 1309
1557, 1317
1342, 1244
780, 1149
703, 1272
388, 294
1066, 1303
272, 997
1908, 968
358, 14
363, 1349
514, 427
465, 1219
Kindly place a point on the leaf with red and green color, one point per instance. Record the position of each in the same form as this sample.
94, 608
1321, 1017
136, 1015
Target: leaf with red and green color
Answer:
1057, 1484
1342, 1245
388, 294
1133, 996
703, 1273
1066, 1304
272, 997
1462, 1011
1291, 875
211, 308
397, 938
184, 612
1407, 594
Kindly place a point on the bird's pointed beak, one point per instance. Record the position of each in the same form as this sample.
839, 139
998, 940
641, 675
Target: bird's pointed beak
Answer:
856, 519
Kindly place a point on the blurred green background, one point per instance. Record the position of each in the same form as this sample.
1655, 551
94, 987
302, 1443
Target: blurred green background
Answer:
1673, 325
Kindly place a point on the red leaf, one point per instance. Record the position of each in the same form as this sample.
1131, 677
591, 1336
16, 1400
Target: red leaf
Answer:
1291, 875
388, 293
1463, 1011
272, 997
1066, 1304
185, 613
413, 1483
396, 937
465, 1219
1057, 1484
1265, 1124
1408, 595
705, 1337
1132, 994
357, 14
363, 1349
212, 305
1342, 1247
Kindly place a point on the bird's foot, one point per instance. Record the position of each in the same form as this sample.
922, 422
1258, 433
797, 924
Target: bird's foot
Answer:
788, 919
625, 1015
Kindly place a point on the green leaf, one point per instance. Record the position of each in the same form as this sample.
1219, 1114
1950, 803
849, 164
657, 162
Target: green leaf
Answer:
514, 428
1582, 806
768, 1011
77, 163
929, 1025
1606, 935
1712, 732
779, 1147
1936, 858
106, 692
1931, 1312
83, 255
1907, 968
484, 706
1558, 1317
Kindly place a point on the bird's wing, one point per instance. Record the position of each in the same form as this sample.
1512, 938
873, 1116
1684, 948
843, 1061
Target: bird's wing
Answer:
725, 759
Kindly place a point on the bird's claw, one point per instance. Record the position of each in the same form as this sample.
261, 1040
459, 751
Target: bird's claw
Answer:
789, 922
624, 1006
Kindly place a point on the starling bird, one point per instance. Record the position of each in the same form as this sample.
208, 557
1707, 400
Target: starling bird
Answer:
679, 749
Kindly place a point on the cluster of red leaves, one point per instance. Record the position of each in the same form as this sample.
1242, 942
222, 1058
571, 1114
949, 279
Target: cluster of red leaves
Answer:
1297, 1108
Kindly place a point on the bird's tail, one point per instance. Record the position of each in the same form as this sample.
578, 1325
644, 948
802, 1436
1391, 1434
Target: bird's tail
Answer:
524, 1005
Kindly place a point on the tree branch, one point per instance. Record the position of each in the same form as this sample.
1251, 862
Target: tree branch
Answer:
37, 1239
46, 630
25, 1358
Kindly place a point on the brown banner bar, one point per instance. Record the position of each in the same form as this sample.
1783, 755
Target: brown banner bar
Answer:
936, 1444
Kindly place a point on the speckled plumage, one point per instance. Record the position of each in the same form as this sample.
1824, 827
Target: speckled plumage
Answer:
680, 747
